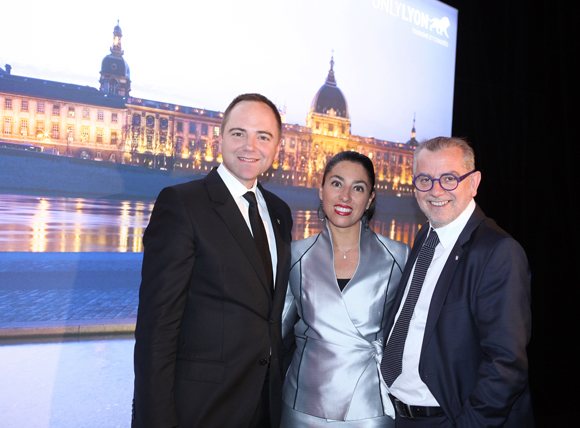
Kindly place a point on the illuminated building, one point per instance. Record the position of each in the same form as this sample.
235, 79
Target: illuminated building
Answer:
64, 118
306, 149
110, 124
115, 75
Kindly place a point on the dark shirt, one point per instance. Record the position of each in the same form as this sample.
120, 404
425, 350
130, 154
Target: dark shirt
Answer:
342, 282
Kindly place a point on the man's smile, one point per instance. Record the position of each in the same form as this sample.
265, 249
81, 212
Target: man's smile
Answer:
439, 203
248, 159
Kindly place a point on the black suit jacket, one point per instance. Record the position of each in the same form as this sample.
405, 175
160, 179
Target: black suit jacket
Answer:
207, 323
473, 357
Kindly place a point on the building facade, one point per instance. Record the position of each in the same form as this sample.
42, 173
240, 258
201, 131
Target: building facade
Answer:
111, 125
62, 118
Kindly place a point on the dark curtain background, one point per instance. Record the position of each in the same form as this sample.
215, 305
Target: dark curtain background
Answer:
513, 96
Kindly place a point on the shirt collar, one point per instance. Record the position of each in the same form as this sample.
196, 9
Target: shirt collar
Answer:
449, 233
236, 188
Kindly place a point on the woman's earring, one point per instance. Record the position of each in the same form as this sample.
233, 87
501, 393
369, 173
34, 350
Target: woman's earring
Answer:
365, 220
319, 211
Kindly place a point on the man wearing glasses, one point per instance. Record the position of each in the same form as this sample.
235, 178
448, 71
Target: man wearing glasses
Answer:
455, 350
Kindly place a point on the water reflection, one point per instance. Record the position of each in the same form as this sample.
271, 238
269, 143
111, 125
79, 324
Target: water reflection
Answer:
39, 224
58, 224
403, 229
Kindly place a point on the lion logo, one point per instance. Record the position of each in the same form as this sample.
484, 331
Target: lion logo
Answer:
441, 25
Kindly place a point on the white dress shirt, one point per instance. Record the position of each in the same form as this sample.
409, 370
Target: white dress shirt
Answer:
238, 190
408, 387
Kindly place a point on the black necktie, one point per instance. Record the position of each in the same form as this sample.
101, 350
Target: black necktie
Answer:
392, 362
260, 236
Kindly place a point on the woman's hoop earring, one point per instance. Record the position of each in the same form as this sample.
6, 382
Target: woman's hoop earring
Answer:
319, 211
365, 220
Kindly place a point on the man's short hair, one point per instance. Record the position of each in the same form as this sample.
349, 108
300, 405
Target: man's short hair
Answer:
440, 143
253, 97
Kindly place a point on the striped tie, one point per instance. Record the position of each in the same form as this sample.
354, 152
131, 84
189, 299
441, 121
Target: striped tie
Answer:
392, 362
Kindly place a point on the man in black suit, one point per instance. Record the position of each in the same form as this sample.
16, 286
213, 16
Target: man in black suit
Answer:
208, 334
455, 353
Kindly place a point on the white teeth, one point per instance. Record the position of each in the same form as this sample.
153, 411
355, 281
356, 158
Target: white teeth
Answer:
249, 160
342, 209
439, 204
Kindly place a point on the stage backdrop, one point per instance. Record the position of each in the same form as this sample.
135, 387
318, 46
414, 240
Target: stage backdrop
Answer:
72, 217
392, 61
75, 204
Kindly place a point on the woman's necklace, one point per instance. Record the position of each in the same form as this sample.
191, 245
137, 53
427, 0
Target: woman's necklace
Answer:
344, 252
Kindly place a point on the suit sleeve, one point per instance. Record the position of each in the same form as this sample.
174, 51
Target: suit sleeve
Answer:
166, 274
503, 317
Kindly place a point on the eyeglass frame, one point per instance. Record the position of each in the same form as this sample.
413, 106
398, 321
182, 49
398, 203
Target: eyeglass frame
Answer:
433, 180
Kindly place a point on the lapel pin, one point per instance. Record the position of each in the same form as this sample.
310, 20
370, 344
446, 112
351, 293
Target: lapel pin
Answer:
278, 220
456, 257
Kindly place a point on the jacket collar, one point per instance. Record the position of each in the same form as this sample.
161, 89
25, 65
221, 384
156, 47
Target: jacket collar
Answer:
227, 209
444, 281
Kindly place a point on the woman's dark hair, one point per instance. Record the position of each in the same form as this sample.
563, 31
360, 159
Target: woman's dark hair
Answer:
362, 160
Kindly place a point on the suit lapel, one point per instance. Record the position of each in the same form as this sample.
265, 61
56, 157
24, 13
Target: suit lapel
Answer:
444, 281
282, 247
228, 210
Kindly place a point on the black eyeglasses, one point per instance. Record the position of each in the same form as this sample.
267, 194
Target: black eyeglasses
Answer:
424, 183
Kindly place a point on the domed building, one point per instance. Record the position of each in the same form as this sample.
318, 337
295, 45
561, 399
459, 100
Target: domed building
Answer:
328, 112
109, 124
115, 74
305, 150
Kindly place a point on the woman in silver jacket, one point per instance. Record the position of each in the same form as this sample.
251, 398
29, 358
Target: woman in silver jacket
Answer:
342, 283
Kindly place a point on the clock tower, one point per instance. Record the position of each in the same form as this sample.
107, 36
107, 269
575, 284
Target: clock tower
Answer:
115, 75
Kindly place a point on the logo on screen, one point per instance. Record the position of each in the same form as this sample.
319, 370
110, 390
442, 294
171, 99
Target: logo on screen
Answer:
417, 17
440, 25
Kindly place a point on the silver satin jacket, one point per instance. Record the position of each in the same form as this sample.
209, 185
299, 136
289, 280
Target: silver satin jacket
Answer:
334, 373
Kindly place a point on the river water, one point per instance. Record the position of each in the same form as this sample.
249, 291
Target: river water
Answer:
59, 224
